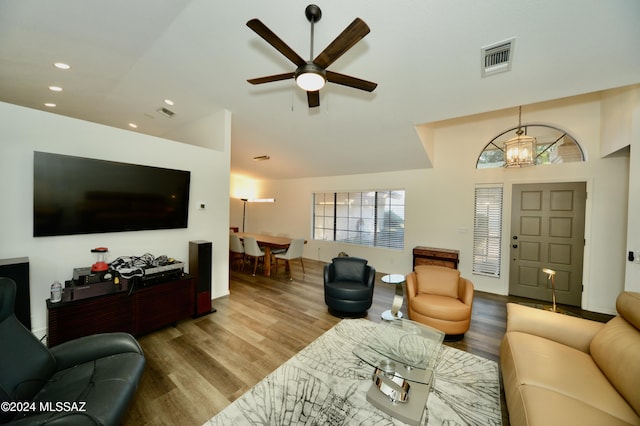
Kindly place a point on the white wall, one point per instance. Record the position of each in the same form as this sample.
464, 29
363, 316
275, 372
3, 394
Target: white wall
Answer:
25, 130
629, 136
618, 107
439, 201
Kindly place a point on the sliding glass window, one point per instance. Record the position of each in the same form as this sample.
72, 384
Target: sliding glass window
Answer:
373, 218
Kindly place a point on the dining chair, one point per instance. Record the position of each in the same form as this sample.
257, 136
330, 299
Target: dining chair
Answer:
236, 250
251, 249
293, 252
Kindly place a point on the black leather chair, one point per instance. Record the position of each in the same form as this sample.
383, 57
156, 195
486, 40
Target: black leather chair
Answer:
87, 381
348, 285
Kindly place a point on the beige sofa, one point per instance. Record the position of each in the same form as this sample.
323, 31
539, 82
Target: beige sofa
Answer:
563, 370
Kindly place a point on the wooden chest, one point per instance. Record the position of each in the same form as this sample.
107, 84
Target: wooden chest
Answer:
435, 256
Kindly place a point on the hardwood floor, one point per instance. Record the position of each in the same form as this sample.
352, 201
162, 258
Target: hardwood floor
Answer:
201, 365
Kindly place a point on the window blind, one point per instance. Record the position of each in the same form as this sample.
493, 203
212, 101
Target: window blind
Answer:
487, 230
371, 218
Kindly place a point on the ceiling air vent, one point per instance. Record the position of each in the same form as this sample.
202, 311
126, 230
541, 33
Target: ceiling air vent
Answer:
166, 112
497, 57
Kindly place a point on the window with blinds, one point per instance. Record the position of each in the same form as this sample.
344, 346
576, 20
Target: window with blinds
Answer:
373, 218
487, 230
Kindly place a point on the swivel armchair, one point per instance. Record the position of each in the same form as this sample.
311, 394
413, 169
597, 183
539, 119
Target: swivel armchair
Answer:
95, 377
440, 298
348, 285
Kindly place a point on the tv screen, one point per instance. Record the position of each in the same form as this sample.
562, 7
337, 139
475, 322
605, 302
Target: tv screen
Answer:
74, 195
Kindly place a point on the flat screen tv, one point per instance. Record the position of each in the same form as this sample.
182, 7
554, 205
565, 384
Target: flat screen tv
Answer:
74, 195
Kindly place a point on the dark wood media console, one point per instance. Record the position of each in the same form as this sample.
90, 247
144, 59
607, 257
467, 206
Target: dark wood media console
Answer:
144, 310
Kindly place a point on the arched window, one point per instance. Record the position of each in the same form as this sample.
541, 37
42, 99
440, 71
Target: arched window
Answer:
553, 146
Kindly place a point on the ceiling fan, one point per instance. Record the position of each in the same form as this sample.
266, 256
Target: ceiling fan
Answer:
312, 75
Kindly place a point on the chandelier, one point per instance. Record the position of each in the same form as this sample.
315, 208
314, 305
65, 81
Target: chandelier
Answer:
520, 150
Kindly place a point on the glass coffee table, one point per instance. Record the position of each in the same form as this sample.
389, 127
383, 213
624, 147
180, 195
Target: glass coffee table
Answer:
403, 354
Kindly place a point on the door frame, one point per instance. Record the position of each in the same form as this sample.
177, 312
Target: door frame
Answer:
506, 229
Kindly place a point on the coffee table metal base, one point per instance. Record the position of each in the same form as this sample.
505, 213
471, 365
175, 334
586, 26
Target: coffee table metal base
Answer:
410, 412
388, 315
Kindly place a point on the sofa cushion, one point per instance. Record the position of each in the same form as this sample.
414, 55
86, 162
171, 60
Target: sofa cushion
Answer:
102, 390
349, 269
441, 307
438, 280
565, 329
628, 306
542, 406
615, 350
347, 290
564, 370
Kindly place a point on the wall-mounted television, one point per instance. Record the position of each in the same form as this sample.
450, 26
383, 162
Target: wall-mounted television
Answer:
74, 195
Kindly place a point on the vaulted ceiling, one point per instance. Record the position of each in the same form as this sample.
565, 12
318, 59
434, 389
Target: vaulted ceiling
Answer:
127, 57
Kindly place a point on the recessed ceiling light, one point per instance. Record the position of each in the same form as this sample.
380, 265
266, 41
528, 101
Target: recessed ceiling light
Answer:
62, 66
169, 102
50, 105
133, 125
55, 88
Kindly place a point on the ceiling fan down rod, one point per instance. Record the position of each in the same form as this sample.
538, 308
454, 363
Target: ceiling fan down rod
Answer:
313, 14
311, 47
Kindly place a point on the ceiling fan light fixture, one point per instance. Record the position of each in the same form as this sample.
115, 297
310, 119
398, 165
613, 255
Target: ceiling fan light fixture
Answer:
310, 77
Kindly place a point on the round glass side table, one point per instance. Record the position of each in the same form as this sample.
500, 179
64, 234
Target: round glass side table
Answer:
394, 313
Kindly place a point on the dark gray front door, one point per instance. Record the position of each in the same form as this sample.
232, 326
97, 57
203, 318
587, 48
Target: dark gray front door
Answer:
547, 231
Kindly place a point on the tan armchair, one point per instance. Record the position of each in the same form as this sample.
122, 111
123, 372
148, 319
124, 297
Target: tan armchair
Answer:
440, 298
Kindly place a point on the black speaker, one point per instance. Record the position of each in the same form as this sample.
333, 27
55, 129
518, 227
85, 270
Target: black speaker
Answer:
200, 267
18, 270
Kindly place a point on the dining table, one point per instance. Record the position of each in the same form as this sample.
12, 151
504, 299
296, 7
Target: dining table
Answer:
268, 243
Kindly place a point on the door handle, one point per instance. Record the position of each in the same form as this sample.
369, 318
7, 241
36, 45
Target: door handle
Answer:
515, 246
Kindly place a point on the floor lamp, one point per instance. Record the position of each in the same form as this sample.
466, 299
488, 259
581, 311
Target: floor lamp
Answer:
244, 211
253, 200
550, 276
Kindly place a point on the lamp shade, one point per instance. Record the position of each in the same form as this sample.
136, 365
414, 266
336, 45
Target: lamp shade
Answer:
310, 77
520, 151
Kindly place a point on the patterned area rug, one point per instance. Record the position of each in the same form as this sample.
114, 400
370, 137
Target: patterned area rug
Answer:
325, 384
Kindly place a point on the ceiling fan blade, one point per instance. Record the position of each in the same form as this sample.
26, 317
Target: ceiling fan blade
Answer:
313, 98
345, 41
346, 80
270, 78
270, 37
